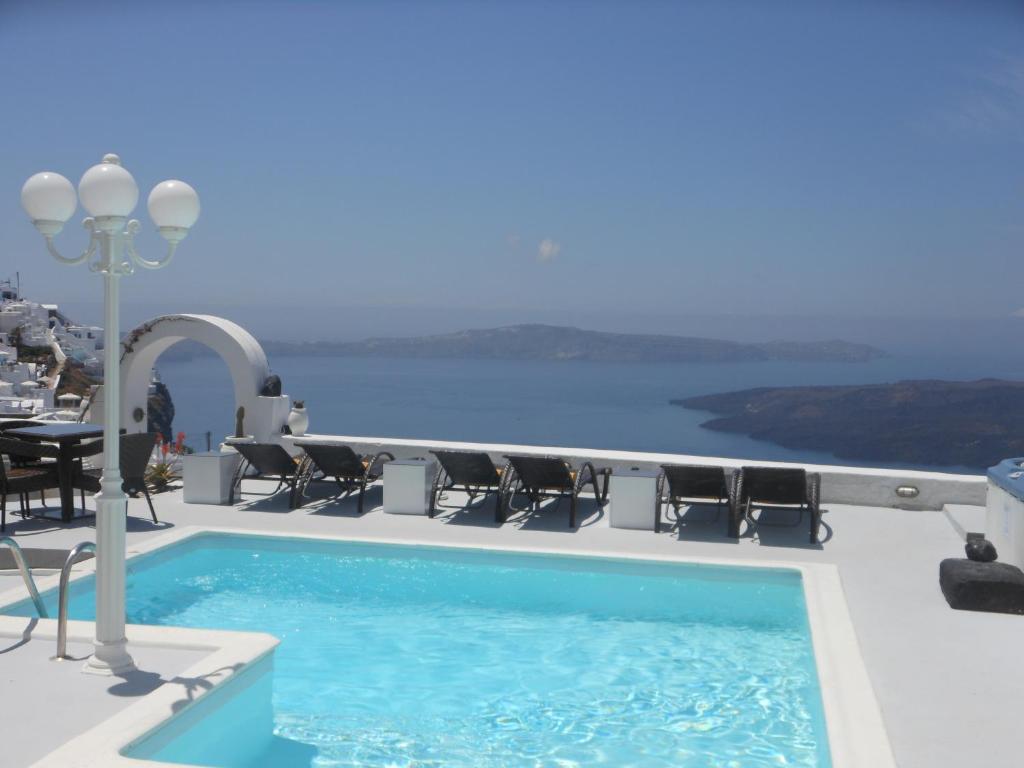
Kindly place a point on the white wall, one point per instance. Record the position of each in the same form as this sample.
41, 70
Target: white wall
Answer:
839, 485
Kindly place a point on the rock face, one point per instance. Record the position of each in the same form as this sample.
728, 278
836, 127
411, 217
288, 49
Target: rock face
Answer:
160, 412
943, 423
971, 586
552, 342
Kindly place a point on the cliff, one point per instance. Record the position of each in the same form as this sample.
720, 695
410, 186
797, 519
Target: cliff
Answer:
941, 423
550, 342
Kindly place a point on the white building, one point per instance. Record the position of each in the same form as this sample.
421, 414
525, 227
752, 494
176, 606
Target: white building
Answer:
29, 387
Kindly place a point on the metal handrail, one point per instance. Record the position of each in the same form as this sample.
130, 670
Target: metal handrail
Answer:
26, 574
62, 600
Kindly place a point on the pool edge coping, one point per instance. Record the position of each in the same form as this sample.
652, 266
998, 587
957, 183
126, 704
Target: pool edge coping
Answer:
853, 718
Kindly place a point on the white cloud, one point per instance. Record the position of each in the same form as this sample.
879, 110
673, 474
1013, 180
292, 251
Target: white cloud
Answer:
548, 250
1017, 312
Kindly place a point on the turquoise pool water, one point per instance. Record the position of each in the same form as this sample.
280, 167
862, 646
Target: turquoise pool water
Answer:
417, 656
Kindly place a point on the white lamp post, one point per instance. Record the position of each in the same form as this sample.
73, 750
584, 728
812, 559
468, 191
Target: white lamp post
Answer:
109, 193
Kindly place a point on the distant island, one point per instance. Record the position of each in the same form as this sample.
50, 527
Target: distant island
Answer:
941, 423
552, 342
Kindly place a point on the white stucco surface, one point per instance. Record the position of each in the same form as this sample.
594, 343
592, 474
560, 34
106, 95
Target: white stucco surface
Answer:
55, 701
239, 350
949, 683
869, 486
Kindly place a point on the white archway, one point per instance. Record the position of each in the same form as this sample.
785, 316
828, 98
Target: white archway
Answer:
246, 361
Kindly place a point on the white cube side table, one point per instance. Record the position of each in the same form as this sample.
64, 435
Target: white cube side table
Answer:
632, 498
207, 476
407, 484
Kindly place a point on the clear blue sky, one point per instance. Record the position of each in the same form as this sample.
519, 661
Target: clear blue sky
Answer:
520, 159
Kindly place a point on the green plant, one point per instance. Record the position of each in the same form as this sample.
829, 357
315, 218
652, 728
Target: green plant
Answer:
159, 476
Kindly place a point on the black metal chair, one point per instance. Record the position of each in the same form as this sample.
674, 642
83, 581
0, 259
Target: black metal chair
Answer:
23, 460
25, 479
778, 486
686, 482
269, 460
470, 471
136, 450
349, 470
549, 477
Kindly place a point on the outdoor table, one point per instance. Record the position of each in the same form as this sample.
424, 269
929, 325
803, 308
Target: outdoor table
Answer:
66, 436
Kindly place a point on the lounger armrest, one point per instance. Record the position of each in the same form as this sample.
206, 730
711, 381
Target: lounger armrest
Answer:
374, 466
814, 504
91, 448
813, 490
508, 478
581, 480
735, 502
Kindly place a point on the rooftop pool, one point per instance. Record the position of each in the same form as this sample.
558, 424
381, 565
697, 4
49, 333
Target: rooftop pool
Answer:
397, 655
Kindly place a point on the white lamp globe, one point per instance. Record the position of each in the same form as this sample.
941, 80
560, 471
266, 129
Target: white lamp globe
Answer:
173, 203
107, 189
48, 196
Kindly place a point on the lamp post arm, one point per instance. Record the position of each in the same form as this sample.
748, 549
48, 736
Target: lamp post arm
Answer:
94, 242
173, 235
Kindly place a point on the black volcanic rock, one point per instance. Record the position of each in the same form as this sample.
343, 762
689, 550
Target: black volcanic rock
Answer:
980, 550
943, 423
971, 586
160, 412
550, 342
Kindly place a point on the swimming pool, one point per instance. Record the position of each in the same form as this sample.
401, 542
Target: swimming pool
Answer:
410, 656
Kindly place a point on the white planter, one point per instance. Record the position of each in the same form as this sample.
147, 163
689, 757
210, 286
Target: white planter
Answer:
298, 421
632, 496
407, 484
207, 476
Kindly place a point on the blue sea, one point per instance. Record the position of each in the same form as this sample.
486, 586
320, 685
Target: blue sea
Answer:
558, 403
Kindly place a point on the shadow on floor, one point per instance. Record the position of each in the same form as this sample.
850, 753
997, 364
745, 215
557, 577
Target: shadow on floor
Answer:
26, 635
480, 513
32, 526
553, 514
345, 505
697, 522
784, 527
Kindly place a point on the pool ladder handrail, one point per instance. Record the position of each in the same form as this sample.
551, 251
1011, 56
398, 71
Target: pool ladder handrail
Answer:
62, 599
26, 574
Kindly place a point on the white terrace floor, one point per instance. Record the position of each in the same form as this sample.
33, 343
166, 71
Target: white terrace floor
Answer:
950, 683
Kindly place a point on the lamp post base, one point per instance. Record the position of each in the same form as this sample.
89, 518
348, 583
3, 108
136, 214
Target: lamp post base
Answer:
110, 655
110, 659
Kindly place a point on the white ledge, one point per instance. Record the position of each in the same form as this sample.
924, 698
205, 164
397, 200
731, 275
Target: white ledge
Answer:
868, 486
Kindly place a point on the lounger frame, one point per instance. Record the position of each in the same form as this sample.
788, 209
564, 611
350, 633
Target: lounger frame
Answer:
269, 460
778, 487
679, 484
349, 470
472, 472
550, 477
